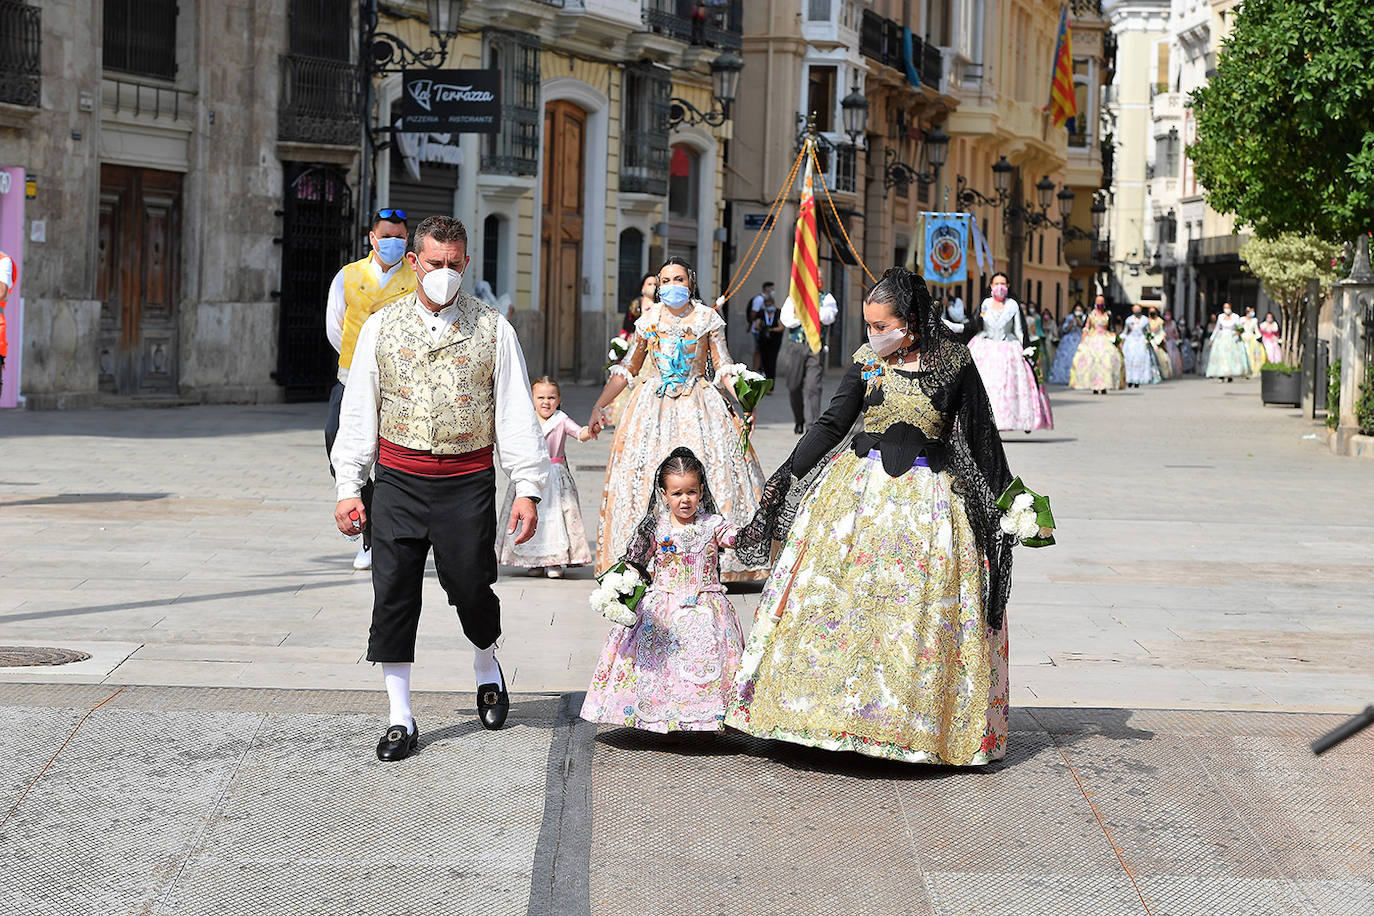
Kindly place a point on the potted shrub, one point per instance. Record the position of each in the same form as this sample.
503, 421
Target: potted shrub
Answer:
1284, 264
1281, 383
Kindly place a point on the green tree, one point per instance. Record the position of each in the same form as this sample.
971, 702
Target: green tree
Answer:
1285, 128
1284, 264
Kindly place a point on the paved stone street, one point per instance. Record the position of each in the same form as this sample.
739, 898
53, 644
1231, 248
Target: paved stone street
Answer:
1207, 612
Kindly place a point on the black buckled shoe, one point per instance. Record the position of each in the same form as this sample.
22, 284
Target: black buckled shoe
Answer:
397, 744
493, 703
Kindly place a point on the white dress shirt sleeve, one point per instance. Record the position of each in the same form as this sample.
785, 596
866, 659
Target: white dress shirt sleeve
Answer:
789, 314
830, 309
334, 309
519, 439
7, 273
355, 448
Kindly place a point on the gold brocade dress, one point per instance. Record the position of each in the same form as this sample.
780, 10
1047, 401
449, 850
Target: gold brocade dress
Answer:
674, 403
871, 634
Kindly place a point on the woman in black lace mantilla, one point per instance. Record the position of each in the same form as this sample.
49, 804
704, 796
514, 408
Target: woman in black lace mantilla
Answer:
881, 628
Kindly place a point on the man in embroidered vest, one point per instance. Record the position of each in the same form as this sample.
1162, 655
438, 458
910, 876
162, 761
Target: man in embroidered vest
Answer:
358, 290
437, 380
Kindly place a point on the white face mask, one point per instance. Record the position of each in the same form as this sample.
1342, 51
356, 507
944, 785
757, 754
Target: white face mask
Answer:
441, 285
888, 342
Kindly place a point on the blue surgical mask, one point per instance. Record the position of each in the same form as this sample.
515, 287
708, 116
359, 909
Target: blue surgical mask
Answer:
390, 250
674, 296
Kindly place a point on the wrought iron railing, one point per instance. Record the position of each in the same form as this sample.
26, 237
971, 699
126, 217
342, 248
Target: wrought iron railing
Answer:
20, 53
644, 162
1084, 8
514, 148
141, 37
932, 64
320, 101
141, 100
718, 25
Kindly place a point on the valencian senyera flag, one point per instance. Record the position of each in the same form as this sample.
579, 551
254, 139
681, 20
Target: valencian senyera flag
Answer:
805, 289
946, 248
1063, 102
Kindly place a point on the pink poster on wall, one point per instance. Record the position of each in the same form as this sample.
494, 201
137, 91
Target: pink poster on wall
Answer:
12, 244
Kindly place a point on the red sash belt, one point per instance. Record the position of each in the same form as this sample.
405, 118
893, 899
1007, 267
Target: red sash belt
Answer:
428, 464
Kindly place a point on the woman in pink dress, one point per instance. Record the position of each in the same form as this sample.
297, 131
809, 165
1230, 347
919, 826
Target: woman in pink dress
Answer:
1269, 336
999, 352
674, 669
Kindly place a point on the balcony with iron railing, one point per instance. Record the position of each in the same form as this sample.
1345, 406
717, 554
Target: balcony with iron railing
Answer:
718, 25
320, 101
20, 53
882, 40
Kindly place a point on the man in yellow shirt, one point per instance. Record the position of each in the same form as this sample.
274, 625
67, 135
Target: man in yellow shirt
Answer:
358, 290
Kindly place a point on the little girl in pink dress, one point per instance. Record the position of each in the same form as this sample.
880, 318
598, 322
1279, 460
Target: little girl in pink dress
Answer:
674, 669
560, 539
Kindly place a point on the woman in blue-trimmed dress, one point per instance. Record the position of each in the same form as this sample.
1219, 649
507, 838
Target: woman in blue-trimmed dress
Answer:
881, 629
1070, 334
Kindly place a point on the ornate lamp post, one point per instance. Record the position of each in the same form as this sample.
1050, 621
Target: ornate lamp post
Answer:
725, 71
935, 151
386, 52
854, 113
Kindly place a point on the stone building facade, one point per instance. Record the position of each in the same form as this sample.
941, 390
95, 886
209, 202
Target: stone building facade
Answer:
150, 164
196, 172
979, 71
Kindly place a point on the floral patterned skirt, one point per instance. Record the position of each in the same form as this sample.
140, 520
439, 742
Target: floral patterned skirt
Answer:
1018, 401
1254, 348
653, 425
674, 670
1228, 357
560, 539
870, 635
1097, 365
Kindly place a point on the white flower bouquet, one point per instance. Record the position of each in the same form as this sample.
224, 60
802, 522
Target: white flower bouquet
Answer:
1026, 515
750, 387
618, 593
619, 347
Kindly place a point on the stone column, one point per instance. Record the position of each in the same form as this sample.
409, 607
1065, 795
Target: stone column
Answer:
1354, 315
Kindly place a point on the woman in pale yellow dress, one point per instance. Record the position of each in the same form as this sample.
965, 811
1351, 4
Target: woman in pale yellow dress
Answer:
881, 629
677, 401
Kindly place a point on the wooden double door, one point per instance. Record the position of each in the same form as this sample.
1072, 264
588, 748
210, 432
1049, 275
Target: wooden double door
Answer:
561, 235
137, 283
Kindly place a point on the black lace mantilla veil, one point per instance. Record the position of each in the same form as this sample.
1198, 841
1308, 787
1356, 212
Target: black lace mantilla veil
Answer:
971, 450
639, 550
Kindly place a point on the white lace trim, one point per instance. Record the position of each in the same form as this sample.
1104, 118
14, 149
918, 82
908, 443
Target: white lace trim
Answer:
621, 371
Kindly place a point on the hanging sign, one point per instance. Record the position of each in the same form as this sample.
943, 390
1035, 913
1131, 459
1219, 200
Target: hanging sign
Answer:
452, 101
946, 247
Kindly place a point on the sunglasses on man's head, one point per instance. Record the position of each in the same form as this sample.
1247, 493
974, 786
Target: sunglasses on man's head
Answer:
391, 214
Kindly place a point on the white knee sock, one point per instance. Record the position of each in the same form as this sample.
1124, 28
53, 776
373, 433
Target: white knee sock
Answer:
397, 677
484, 666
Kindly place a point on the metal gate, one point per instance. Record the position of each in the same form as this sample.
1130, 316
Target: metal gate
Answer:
316, 242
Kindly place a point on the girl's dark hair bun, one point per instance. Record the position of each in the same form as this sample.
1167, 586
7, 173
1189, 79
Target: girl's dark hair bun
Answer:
682, 451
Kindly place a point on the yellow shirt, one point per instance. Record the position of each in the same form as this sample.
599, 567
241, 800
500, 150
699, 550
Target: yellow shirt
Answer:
363, 295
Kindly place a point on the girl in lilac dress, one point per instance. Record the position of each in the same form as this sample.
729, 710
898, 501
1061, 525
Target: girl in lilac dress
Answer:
674, 669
